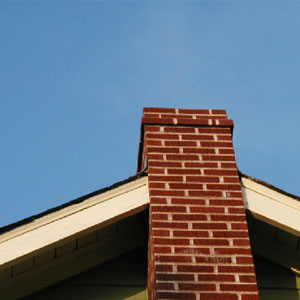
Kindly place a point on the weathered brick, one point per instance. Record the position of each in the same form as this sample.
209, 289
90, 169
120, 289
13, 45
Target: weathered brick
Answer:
196, 213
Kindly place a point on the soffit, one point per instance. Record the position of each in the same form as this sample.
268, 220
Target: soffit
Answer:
73, 221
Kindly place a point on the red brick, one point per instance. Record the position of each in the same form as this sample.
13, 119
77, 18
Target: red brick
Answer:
221, 172
225, 122
151, 115
163, 268
224, 137
164, 178
162, 136
182, 157
241, 242
201, 209
165, 286
192, 250
180, 129
205, 193
165, 193
161, 232
159, 217
172, 149
194, 233
227, 218
180, 143
228, 165
152, 128
211, 117
226, 202
236, 269
158, 200
218, 157
215, 296
173, 258
244, 260
228, 251
169, 225
213, 278
250, 297
175, 277
187, 201
162, 249
195, 122
159, 208
202, 179
239, 226
184, 171
156, 171
213, 260
216, 144
247, 278
152, 156
211, 242
173, 116
200, 137
189, 217
226, 151
209, 226
187, 186
201, 165
231, 180
163, 150
234, 194
199, 150
238, 287
164, 164
214, 130
152, 143
230, 234
196, 287
165, 241
219, 111
236, 210
195, 269
177, 295
156, 185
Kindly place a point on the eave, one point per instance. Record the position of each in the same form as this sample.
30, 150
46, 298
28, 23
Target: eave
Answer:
72, 239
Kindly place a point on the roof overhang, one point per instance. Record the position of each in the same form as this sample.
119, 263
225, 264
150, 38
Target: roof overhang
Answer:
274, 222
272, 206
97, 211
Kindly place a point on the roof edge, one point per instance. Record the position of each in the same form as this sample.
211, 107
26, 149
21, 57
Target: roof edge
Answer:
32, 218
268, 185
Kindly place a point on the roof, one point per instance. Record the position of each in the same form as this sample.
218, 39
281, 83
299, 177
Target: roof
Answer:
63, 237
70, 203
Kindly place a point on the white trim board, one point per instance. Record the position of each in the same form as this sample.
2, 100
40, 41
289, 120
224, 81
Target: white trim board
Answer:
271, 206
78, 219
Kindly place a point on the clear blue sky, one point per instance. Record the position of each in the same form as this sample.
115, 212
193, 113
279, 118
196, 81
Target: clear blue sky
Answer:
74, 76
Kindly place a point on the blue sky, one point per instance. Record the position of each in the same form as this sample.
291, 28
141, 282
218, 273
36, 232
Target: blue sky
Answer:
75, 75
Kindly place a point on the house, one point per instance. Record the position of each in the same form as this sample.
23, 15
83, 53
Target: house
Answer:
187, 225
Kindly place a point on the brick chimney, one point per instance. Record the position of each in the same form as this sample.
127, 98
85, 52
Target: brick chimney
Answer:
198, 236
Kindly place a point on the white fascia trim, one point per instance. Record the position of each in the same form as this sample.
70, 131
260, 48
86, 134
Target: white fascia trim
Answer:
70, 221
271, 206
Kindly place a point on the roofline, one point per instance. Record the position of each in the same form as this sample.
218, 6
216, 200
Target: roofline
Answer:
268, 185
33, 218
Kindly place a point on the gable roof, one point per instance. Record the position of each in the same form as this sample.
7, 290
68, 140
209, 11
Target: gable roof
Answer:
270, 204
73, 237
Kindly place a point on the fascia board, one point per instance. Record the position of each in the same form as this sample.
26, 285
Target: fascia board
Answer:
271, 206
70, 221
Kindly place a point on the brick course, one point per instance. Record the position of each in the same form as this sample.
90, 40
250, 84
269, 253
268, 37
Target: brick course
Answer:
198, 238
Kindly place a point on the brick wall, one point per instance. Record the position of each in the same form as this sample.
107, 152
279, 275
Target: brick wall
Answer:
198, 237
